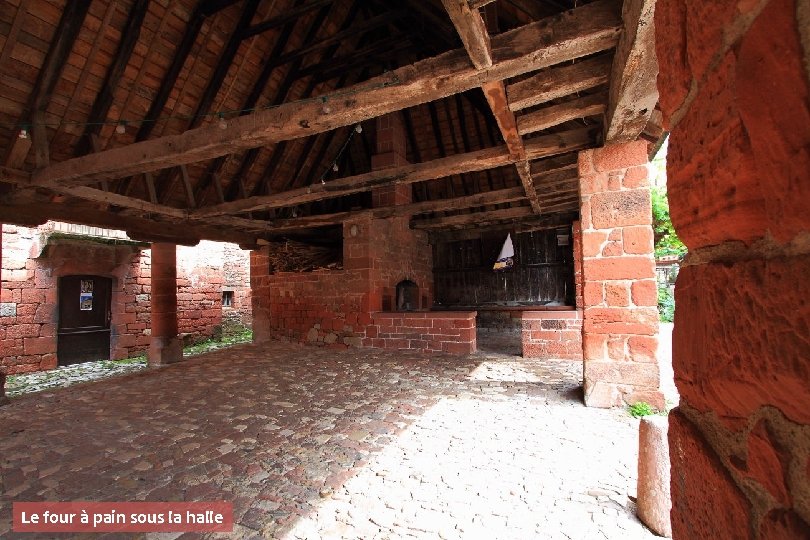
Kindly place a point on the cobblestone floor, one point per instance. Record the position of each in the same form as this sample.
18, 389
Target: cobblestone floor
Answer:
311, 443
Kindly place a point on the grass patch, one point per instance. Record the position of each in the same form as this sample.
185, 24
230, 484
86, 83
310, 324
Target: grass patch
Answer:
641, 409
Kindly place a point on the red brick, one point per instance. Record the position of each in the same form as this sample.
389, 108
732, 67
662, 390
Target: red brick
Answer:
39, 345
645, 292
617, 294
458, 348
619, 156
593, 293
643, 348
613, 268
619, 209
643, 321
638, 239
592, 242
635, 177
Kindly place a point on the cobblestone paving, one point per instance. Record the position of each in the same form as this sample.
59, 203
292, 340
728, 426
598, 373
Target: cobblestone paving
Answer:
313, 443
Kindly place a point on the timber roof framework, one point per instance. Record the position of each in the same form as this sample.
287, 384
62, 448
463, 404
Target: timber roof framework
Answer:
245, 120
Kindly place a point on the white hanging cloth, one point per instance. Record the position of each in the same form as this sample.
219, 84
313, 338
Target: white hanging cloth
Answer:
505, 256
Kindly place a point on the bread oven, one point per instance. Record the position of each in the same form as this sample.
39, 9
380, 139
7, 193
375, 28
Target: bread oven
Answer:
407, 295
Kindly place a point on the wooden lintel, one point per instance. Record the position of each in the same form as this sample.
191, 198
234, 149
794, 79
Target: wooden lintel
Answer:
479, 160
472, 31
137, 227
633, 86
528, 224
559, 81
554, 115
578, 32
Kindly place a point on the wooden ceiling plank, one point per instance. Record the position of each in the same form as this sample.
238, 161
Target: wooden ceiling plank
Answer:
579, 32
167, 180
104, 99
633, 85
555, 115
70, 23
414, 172
558, 82
14, 31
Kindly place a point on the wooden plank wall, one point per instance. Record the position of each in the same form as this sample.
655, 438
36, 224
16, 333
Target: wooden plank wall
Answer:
543, 272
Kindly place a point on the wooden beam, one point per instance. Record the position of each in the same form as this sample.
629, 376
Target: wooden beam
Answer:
39, 134
495, 92
462, 220
525, 175
136, 227
529, 224
19, 150
561, 113
11, 38
582, 31
150, 187
558, 82
471, 30
474, 161
457, 203
633, 88
477, 4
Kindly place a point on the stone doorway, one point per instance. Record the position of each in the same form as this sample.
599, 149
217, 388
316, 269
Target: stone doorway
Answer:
84, 319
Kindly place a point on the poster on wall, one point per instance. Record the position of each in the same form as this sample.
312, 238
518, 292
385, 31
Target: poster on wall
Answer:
86, 295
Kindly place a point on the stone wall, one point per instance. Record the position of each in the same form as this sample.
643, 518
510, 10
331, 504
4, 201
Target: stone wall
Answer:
33, 263
734, 92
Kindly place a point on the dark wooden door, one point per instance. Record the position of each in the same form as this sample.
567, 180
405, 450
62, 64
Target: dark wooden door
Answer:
84, 319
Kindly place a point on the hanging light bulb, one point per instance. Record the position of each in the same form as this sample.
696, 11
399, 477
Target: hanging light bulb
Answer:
326, 108
358, 128
335, 167
222, 123
121, 128
23, 134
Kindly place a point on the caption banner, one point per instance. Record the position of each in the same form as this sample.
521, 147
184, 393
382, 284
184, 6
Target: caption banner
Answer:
216, 516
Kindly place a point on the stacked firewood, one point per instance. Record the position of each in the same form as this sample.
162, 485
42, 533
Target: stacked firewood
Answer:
292, 256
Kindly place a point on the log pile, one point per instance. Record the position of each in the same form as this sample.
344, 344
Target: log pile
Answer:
292, 256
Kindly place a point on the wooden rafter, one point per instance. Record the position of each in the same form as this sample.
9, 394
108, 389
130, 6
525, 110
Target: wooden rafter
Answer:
555, 115
463, 220
582, 31
558, 82
633, 89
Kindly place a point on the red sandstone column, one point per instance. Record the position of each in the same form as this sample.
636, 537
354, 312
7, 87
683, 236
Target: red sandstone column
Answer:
260, 293
165, 347
737, 104
3, 398
620, 326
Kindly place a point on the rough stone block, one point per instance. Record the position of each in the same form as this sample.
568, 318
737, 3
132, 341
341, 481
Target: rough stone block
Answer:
654, 500
619, 209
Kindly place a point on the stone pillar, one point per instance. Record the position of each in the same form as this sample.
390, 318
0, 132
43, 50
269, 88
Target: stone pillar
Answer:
735, 89
3, 398
260, 293
652, 488
165, 347
620, 326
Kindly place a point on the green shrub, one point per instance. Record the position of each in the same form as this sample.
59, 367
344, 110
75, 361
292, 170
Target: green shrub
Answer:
640, 409
666, 304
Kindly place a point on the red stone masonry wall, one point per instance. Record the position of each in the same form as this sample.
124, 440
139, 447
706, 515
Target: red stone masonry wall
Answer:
619, 291
29, 303
452, 332
735, 91
552, 334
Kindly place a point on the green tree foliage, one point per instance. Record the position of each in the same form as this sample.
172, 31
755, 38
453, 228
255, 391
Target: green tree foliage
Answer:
666, 240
